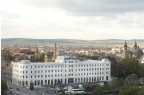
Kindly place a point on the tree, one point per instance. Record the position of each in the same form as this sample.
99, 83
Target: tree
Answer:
3, 87
130, 90
98, 91
127, 67
132, 79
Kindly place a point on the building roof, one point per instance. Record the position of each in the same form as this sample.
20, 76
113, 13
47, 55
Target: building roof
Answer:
24, 50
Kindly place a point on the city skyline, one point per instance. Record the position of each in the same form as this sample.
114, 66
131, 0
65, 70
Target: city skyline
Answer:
74, 19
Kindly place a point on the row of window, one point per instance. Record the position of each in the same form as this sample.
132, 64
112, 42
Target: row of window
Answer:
82, 65
70, 70
60, 75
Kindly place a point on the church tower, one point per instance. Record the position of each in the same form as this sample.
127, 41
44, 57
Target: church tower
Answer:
135, 46
125, 46
125, 52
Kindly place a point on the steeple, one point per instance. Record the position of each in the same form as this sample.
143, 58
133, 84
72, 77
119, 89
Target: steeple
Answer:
135, 46
125, 46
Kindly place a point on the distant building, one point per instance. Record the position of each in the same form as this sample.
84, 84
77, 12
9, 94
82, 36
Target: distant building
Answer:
136, 52
141, 60
23, 53
49, 56
65, 69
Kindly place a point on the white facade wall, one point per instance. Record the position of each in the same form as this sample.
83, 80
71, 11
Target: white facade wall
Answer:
46, 73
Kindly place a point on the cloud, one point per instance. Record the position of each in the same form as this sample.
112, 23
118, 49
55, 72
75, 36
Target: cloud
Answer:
77, 19
91, 7
96, 7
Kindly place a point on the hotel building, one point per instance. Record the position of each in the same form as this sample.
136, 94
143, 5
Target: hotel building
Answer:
65, 69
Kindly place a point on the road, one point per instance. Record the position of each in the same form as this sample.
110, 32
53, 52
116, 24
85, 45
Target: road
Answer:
26, 91
46, 90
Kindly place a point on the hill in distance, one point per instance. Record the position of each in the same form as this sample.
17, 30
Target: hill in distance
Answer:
27, 41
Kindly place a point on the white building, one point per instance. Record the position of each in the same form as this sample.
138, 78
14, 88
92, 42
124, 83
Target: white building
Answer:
65, 69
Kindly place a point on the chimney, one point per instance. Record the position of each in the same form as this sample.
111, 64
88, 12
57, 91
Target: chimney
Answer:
36, 50
55, 50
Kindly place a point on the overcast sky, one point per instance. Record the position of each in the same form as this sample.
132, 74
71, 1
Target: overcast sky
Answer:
73, 19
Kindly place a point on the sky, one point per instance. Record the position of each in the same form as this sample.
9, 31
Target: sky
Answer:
72, 19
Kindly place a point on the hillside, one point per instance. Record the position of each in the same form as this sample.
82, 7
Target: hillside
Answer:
26, 41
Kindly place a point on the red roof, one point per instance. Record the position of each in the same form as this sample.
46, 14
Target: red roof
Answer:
23, 50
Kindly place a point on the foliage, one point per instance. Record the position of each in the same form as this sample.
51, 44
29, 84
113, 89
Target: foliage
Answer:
127, 67
131, 90
39, 57
88, 87
3, 87
116, 84
98, 91
132, 79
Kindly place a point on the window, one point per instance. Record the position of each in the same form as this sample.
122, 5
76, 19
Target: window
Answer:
45, 75
26, 76
31, 71
35, 71
26, 71
31, 76
41, 76
35, 76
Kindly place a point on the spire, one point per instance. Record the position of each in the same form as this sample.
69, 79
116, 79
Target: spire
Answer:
135, 46
125, 46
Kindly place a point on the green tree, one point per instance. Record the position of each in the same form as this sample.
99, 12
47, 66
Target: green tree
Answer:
127, 67
130, 90
3, 87
98, 91
132, 79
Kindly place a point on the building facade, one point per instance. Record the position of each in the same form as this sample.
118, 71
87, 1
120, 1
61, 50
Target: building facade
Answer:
65, 69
